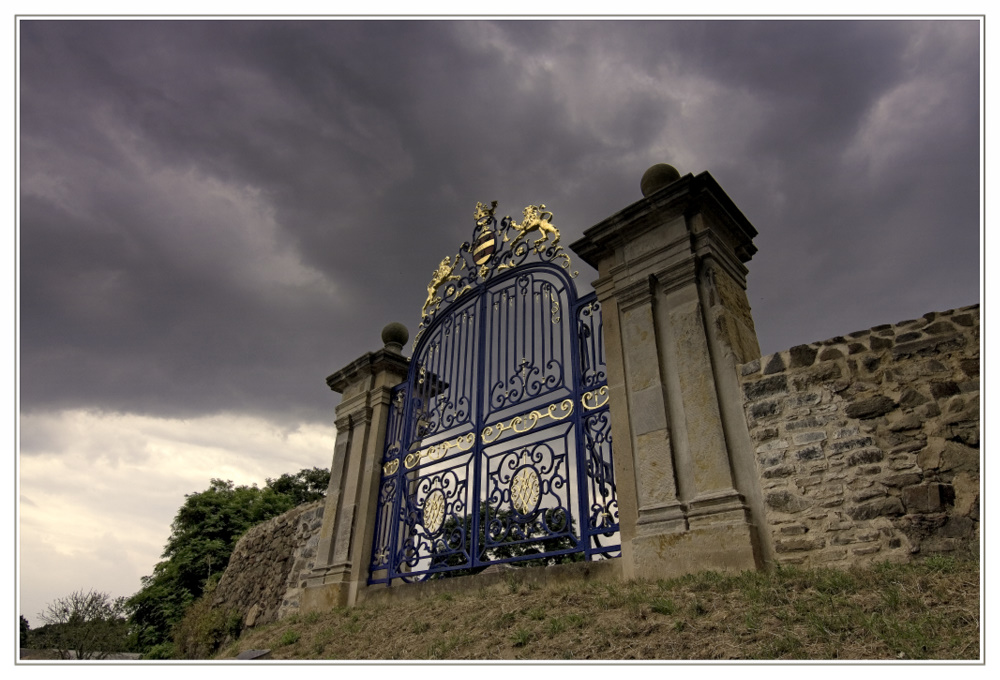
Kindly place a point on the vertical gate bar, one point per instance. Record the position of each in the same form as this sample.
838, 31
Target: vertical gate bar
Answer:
583, 493
478, 447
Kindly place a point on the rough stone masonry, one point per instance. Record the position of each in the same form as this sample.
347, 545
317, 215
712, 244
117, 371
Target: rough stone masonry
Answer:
867, 444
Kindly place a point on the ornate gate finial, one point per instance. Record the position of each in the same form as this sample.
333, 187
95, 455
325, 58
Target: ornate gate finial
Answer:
495, 247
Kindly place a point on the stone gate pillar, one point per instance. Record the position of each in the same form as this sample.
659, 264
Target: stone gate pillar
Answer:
676, 325
345, 540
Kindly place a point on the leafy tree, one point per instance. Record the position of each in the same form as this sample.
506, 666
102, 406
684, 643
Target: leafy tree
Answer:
25, 628
305, 486
84, 625
203, 535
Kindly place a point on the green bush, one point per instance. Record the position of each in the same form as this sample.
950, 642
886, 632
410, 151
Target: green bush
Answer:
203, 630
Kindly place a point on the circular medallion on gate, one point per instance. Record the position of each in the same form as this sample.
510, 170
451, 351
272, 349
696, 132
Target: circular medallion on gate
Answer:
434, 511
524, 491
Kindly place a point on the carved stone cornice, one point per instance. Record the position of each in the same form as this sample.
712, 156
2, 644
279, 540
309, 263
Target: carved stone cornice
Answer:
635, 294
367, 365
688, 196
677, 275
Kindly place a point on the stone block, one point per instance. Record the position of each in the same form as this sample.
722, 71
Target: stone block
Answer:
931, 410
817, 375
808, 422
776, 384
799, 544
883, 507
831, 353
802, 356
958, 527
871, 363
870, 408
906, 479
778, 471
843, 432
771, 459
941, 390
775, 365
865, 456
814, 452
773, 445
878, 344
867, 550
837, 447
750, 367
764, 409
926, 498
956, 457
970, 367
801, 438
907, 421
870, 493
927, 346
805, 482
763, 434
966, 493
911, 398
784, 501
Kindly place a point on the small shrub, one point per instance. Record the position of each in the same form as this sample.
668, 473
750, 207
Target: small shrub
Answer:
536, 614
662, 605
521, 637
289, 637
164, 650
506, 619
556, 626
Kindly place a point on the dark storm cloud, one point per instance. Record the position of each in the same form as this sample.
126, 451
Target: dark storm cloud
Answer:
215, 215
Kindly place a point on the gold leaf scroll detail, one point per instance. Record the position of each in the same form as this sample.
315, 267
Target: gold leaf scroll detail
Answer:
525, 423
434, 511
524, 490
592, 401
390, 467
436, 452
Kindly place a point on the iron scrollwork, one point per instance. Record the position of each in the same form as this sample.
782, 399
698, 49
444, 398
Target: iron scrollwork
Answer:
498, 447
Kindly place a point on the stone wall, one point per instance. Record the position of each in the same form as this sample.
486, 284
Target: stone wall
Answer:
867, 445
263, 578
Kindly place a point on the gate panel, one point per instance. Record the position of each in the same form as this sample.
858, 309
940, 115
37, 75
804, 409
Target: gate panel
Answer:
499, 445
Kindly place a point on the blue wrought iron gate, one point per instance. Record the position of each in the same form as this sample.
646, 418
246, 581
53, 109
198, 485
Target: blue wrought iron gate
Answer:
498, 447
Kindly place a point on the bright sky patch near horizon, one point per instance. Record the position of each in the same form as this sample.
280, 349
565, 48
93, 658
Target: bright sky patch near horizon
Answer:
214, 215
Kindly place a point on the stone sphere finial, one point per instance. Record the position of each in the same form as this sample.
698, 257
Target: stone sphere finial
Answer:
394, 336
657, 177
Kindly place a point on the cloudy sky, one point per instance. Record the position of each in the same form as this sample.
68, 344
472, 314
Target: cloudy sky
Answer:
215, 215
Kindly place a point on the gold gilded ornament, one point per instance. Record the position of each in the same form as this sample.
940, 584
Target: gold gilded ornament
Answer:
535, 217
441, 275
524, 490
434, 511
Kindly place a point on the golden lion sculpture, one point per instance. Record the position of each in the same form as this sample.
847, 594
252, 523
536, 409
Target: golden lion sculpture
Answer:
535, 217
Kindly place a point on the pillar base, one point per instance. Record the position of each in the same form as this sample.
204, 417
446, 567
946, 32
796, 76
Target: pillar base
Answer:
716, 547
323, 597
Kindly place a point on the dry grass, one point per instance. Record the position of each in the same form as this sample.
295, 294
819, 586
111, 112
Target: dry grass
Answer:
925, 610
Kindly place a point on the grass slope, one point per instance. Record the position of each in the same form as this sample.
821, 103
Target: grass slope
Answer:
923, 610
